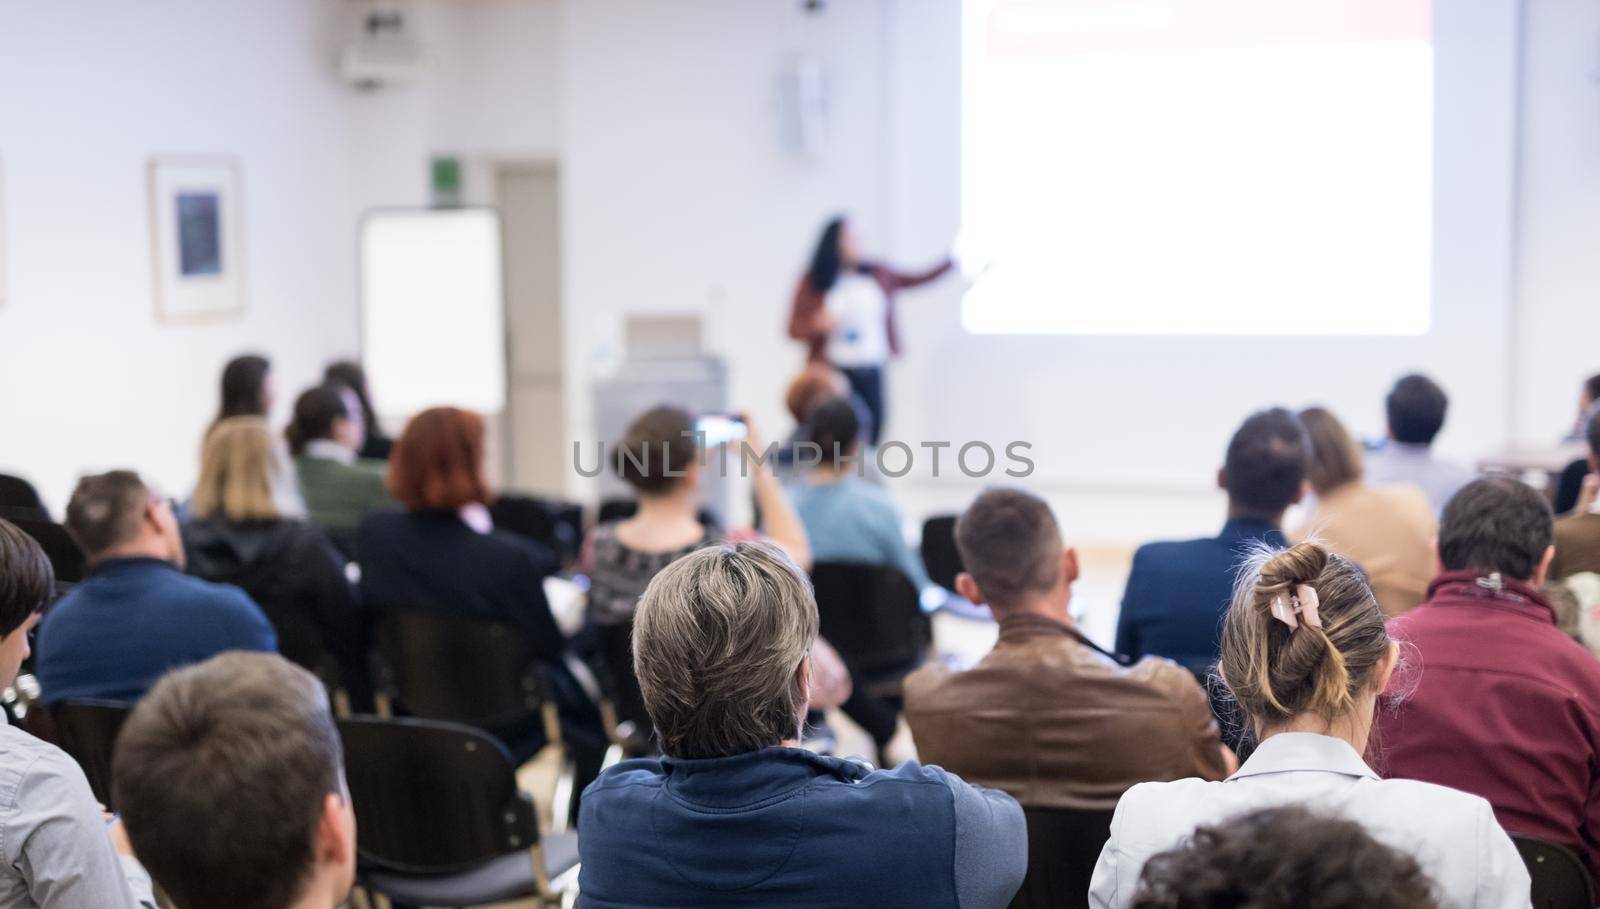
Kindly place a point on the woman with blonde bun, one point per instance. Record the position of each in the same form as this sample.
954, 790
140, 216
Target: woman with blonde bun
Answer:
1305, 654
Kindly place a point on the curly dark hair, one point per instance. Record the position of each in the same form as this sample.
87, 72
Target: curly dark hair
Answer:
1284, 858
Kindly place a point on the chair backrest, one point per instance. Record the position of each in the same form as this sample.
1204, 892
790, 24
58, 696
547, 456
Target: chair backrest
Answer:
558, 526
15, 492
622, 686
433, 797
1559, 879
87, 730
65, 556
459, 668
1063, 847
940, 557
872, 615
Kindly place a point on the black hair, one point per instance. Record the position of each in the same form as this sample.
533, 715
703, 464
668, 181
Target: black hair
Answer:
1266, 462
1591, 431
1284, 858
1496, 524
833, 426
314, 414
1591, 385
350, 374
1416, 407
26, 578
243, 387
827, 261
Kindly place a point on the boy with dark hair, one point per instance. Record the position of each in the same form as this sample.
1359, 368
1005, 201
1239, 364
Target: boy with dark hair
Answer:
55, 846
1178, 591
1501, 703
1416, 407
230, 776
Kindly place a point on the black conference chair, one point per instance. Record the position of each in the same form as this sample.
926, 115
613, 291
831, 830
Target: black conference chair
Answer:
461, 669
442, 820
629, 723
872, 615
558, 526
1063, 847
1559, 879
939, 554
87, 730
65, 556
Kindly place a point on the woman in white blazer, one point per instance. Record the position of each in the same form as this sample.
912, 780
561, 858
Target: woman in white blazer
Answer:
1305, 653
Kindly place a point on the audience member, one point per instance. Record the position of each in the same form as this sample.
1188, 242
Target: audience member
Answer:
1388, 532
1284, 858
56, 849
247, 389
246, 528
1506, 706
1178, 592
443, 554
374, 445
231, 778
734, 815
817, 384
325, 437
1305, 653
1577, 534
1416, 408
846, 518
137, 614
660, 458
1046, 715
1576, 480
1588, 398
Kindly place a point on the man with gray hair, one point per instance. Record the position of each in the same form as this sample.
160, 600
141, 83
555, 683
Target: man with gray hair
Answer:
735, 814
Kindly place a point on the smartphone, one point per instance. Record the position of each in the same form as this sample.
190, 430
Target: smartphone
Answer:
720, 429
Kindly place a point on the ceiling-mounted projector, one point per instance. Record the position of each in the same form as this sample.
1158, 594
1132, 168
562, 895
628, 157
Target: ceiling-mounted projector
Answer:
385, 50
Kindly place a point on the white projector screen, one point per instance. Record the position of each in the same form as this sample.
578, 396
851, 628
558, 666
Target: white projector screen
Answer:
1223, 167
432, 310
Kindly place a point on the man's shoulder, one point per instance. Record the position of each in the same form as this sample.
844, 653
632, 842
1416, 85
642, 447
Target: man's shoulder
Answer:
1167, 554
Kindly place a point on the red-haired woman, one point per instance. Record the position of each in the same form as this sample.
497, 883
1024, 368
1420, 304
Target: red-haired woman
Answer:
442, 553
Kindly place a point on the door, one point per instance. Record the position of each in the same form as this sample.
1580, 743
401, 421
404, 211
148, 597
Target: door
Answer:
529, 203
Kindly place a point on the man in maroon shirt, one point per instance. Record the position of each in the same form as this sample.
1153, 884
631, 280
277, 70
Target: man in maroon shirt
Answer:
1504, 705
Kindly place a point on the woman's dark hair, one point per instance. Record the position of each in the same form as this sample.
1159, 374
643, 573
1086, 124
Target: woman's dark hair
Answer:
833, 427
656, 449
1284, 858
1591, 386
26, 578
243, 381
350, 374
826, 262
314, 413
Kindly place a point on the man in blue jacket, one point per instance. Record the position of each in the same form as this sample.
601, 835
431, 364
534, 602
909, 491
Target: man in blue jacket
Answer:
735, 814
137, 614
1178, 591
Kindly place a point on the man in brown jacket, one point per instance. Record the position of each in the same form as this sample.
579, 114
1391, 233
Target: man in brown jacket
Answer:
1047, 716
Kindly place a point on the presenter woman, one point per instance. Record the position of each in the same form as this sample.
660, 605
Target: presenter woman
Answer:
844, 311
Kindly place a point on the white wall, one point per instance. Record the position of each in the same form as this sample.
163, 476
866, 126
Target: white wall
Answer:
679, 197
89, 91
674, 206
1558, 215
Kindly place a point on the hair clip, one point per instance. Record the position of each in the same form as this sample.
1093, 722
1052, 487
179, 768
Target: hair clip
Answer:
1302, 606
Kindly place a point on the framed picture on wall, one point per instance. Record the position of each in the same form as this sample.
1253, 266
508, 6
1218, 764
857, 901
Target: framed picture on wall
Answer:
196, 224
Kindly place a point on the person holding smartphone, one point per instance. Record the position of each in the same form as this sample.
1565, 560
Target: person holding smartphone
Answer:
844, 311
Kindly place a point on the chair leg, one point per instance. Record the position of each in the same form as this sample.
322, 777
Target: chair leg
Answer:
561, 799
